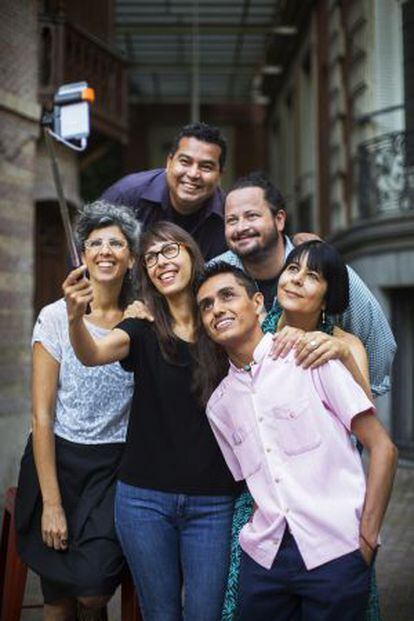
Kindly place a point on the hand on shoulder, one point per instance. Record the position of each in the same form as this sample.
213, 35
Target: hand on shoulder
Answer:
138, 310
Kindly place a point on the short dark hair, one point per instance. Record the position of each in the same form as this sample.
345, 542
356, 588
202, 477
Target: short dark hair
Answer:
220, 267
326, 260
211, 361
205, 133
258, 179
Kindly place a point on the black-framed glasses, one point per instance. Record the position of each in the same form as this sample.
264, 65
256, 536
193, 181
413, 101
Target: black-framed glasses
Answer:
98, 243
168, 251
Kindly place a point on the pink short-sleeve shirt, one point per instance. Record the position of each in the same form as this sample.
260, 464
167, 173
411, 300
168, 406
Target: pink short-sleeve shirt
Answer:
286, 430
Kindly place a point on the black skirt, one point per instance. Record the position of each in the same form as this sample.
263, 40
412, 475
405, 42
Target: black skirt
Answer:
93, 563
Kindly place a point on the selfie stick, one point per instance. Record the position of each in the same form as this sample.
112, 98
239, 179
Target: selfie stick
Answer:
63, 206
68, 124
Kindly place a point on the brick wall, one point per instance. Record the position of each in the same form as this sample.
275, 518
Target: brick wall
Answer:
19, 115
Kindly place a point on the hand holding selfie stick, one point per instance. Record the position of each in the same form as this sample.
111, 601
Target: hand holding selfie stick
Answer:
68, 124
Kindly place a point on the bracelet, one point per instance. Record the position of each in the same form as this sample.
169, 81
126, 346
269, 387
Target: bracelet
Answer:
373, 549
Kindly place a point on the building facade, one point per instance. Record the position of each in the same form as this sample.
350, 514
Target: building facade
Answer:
43, 45
341, 147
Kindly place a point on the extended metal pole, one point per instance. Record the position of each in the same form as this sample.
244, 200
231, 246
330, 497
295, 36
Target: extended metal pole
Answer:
64, 211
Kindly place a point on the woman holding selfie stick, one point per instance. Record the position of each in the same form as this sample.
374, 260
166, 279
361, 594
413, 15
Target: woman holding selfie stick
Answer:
64, 510
174, 499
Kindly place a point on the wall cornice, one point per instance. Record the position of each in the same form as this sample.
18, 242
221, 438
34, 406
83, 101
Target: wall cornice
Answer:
376, 236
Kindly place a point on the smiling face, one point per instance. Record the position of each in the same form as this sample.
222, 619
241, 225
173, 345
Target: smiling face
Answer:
107, 255
229, 316
301, 290
251, 229
170, 275
193, 174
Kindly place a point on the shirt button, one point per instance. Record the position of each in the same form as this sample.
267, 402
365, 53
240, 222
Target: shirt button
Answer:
277, 479
268, 450
260, 419
287, 510
275, 541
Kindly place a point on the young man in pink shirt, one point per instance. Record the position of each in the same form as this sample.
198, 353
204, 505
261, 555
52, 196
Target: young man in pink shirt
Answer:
307, 551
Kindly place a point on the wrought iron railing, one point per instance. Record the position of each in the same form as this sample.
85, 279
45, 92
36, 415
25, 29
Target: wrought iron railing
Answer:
386, 175
68, 54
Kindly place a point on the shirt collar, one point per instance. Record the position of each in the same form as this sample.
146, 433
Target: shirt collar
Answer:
288, 246
157, 192
259, 353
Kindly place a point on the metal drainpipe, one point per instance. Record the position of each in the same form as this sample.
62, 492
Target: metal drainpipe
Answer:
195, 82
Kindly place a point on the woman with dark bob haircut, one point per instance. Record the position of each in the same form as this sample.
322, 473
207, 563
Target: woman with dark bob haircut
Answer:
326, 260
175, 496
64, 510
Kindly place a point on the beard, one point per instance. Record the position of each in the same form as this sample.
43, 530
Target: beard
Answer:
258, 251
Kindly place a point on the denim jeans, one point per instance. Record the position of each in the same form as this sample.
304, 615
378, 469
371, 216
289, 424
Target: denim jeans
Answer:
178, 549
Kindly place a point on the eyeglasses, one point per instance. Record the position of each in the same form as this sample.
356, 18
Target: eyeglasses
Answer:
97, 244
168, 251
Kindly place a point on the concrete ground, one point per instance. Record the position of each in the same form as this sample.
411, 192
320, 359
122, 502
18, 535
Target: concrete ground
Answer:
395, 562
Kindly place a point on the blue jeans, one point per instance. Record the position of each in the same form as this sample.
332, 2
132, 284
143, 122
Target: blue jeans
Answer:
178, 550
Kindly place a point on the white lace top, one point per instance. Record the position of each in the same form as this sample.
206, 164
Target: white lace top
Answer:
92, 403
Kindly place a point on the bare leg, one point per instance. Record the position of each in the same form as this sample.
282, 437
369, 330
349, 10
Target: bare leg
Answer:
64, 610
94, 602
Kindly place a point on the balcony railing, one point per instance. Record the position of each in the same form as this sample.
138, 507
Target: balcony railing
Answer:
386, 175
69, 54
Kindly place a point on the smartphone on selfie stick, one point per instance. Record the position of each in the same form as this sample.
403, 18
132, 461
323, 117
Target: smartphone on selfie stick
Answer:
68, 123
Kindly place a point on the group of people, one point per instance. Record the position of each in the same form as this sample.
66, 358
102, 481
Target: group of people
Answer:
206, 433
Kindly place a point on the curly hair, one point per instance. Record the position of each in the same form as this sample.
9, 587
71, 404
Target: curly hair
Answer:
100, 214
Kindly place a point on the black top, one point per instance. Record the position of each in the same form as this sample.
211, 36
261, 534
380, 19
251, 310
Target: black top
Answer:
170, 445
268, 288
147, 193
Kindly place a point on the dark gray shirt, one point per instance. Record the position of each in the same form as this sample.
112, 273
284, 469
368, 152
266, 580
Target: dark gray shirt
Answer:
147, 193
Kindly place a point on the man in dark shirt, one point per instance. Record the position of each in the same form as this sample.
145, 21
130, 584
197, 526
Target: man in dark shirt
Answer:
186, 192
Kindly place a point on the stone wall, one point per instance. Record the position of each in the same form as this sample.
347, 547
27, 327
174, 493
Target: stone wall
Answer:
19, 129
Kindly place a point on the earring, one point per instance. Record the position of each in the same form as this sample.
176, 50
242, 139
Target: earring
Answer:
323, 318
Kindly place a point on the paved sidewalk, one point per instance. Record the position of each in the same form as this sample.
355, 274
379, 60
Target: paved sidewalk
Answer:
395, 563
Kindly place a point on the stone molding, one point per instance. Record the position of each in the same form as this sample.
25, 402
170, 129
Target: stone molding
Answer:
15, 104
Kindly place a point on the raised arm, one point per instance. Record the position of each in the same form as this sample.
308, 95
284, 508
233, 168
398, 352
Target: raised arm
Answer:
45, 374
113, 347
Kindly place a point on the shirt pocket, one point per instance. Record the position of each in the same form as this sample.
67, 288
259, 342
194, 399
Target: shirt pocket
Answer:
296, 431
246, 449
